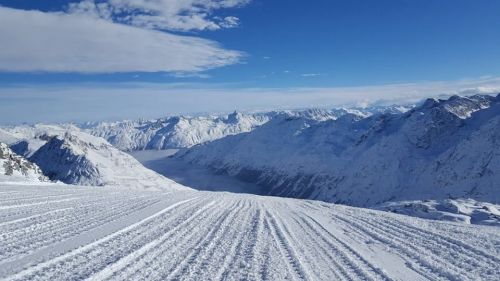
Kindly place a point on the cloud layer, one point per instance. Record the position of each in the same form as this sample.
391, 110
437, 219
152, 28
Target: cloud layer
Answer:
113, 102
61, 42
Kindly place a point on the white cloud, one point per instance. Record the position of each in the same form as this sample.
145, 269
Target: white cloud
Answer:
176, 15
310, 74
133, 100
189, 75
230, 22
59, 42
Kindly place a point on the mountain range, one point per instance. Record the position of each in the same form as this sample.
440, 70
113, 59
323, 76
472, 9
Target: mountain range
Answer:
439, 150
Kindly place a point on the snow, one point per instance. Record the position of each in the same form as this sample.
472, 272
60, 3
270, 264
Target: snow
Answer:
15, 168
66, 154
173, 132
458, 210
192, 175
55, 232
184, 131
439, 150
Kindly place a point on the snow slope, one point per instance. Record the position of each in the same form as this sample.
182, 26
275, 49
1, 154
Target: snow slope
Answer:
16, 168
82, 233
66, 154
441, 149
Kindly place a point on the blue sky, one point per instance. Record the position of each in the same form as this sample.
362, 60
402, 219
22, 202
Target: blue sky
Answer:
253, 46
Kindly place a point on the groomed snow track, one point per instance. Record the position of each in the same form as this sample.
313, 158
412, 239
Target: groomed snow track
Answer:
73, 233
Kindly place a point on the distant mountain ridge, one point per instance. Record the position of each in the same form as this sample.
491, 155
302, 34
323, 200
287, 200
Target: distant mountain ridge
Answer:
183, 132
172, 132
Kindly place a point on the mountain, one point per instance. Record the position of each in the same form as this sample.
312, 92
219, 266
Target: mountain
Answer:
440, 149
16, 168
66, 154
183, 132
173, 132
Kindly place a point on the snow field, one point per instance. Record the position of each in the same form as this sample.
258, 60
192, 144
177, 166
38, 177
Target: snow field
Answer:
75, 233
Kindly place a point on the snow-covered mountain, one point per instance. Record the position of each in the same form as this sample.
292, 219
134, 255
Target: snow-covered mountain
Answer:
15, 167
173, 132
66, 154
183, 132
441, 149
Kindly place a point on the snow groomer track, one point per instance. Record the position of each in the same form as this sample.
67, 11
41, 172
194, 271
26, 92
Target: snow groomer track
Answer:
73, 233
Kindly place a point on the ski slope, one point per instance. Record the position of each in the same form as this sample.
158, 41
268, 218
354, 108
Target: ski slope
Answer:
51, 232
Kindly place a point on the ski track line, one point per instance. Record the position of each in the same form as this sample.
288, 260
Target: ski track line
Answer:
410, 257
168, 241
473, 258
437, 245
38, 203
189, 262
295, 244
96, 259
127, 260
207, 250
427, 264
73, 252
366, 269
287, 250
430, 263
257, 241
79, 207
23, 212
182, 268
455, 244
427, 244
273, 245
330, 253
229, 259
349, 258
183, 235
45, 233
246, 237
8, 201
123, 206
339, 270
2, 224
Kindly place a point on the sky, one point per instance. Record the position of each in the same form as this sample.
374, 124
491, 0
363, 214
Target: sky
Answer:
91, 60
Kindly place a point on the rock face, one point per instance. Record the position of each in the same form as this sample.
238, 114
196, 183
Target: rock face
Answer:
438, 150
13, 166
